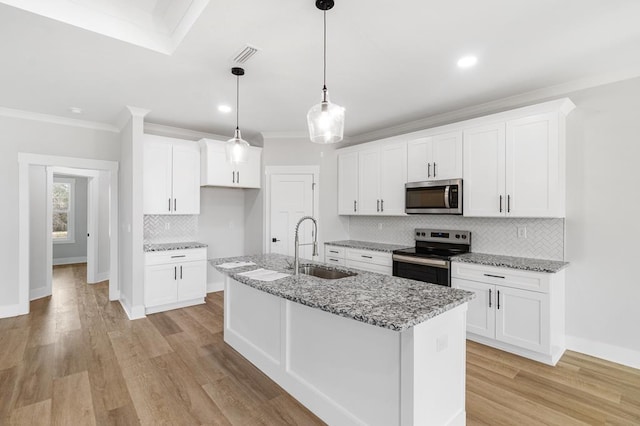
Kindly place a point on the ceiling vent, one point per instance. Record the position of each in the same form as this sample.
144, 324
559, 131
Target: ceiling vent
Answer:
245, 54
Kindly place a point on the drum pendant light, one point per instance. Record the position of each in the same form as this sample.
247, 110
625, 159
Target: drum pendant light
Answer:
237, 149
325, 120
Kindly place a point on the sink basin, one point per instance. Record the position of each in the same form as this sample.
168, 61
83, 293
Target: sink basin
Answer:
324, 272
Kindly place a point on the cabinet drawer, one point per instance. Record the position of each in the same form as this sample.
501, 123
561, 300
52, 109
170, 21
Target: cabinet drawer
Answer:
175, 256
368, 256
371, 267
335, 261
526, 280
334, 251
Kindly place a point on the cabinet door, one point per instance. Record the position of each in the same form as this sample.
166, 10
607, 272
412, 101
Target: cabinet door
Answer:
348, 183
484, 171
248, 174
217, 171
186, 179
393, 176
192, 282
522, 318
481, 315
369, 182
418, 159
532, 167
156, 176
160, 285
446, 158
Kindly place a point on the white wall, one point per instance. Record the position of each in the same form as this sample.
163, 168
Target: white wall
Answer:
37, 229
603, 221
66, 252
299, 152
21, 135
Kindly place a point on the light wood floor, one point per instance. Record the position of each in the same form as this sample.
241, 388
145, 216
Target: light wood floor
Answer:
77, 360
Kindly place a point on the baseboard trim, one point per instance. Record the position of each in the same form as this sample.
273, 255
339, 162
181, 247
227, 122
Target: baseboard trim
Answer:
135, 312
69, 260
13, 310
617, 354
38, 293
215, 286
176, 305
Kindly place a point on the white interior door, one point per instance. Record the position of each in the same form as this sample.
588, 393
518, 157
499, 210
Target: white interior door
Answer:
291, 197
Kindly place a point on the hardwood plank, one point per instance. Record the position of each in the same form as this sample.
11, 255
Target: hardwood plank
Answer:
71, 403
202, 368
9, 387
13, 343
71, 353
122, 416
229, 397
165, 325
37, 375
38, 414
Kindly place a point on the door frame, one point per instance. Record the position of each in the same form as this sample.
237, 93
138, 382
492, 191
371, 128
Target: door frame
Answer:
289, 170
24, 161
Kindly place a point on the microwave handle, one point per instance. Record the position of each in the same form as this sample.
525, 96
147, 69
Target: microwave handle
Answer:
446, 196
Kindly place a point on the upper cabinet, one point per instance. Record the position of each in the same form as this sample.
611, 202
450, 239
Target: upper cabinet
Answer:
435, 157
515, 168
371, 181
171, 176
216, 171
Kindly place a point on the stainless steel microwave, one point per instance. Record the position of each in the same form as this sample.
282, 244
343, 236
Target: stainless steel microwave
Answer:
434, 197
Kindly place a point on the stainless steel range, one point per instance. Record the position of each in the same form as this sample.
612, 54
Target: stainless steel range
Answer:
430, 259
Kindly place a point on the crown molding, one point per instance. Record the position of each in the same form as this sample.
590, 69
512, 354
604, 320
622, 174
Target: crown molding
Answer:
498, 105
54, 119
180, 133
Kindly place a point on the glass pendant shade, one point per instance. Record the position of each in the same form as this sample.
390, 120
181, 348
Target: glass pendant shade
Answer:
237, 149
326, 121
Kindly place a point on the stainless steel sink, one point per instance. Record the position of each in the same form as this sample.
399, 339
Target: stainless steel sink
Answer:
325, 272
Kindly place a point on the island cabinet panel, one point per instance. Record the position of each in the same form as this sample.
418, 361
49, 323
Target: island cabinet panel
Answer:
517, 311
367, 260
348, 372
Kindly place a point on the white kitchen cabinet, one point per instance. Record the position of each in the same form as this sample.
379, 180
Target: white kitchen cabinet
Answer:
174, 279
216, 171
348, 183
435, 157
171, 176
517, 311
515, 169
367, 260
369, 181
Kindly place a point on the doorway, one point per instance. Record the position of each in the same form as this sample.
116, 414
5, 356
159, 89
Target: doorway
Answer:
102, 196
291, 193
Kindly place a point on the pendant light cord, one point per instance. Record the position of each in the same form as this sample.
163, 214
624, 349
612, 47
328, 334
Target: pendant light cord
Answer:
237, 102
324, 75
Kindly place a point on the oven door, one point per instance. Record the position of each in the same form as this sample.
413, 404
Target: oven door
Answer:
434, 197
434, 271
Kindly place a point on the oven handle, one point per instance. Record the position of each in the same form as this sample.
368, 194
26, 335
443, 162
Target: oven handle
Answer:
446, 196
444, 264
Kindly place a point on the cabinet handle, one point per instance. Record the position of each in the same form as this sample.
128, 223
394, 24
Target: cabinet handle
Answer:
508, 203
180, 271
498, 304
176, 256
175, 204
382, 205
501, 204
333, 251
489, 297
233, 177
333, 260
238, 176
434, 169
366, 257
175, 272
494, 276
169, 204
378, 205
428, 169
355, 204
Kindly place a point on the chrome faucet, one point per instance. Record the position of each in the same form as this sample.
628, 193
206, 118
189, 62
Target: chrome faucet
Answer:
296, 261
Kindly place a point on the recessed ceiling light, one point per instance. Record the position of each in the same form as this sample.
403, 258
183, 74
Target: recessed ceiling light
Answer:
75, 110
224, 108
467, 61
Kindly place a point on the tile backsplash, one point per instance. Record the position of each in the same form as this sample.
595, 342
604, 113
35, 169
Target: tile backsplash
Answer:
544, 237
170, 228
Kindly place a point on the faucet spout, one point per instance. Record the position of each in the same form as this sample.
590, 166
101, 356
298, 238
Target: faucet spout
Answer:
296, 261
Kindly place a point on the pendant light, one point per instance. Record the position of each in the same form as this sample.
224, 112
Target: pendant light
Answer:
237, 148
325, 120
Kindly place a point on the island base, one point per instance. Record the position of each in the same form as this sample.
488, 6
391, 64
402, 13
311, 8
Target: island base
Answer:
348, 372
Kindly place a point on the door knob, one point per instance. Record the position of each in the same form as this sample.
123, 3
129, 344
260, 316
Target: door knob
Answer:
274, 240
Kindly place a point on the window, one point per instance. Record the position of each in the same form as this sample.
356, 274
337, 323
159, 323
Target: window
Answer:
63, 208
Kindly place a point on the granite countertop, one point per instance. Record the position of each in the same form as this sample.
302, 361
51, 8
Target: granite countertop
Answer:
173, 246
384, 301
523, 263
367, 245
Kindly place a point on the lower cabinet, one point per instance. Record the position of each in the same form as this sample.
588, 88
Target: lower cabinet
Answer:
367, 260
174, 279
517, 311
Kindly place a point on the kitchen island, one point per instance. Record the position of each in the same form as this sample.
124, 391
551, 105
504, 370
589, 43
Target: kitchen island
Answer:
368, 349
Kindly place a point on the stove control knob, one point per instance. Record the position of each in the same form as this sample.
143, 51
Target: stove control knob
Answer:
457, 235
423, 234
417, 234
464, 237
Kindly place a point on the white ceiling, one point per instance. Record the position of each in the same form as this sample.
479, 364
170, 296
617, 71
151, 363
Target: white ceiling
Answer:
389, 62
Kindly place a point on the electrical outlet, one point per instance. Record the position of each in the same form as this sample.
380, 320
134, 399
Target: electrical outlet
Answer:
522, 232
379, 225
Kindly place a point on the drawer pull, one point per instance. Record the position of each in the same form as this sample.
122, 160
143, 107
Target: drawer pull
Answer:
176, 256
494, 276
489, 297
334, 260
333, 251
366, 257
